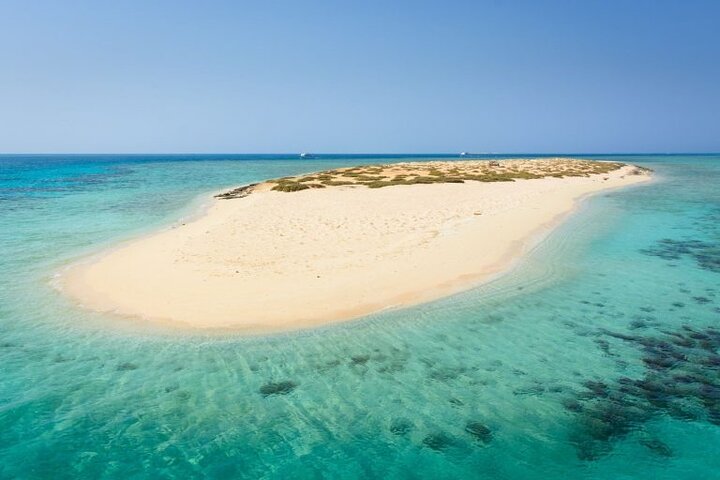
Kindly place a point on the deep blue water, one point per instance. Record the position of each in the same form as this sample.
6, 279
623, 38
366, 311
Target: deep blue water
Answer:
596, 358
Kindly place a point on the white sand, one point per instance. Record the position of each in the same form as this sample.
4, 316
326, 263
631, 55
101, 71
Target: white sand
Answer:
276, 260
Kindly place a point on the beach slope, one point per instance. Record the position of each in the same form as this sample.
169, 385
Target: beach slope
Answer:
336, 245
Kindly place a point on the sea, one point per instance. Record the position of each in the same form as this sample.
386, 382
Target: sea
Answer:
595, 357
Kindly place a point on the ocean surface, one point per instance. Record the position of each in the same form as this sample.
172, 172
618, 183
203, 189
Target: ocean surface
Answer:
595, 358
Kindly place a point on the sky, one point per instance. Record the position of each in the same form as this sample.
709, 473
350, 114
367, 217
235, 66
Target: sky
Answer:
359, 76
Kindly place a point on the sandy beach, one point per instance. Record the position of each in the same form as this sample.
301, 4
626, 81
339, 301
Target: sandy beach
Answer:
281, 259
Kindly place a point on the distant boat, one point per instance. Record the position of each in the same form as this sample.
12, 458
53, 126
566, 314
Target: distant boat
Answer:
305, 155
463, 154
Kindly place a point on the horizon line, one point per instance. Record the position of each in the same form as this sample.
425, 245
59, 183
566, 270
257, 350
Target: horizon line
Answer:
356, 153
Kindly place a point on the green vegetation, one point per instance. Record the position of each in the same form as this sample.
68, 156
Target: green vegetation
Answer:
413, 181
380, 176
337, 183
290, 187
368, 178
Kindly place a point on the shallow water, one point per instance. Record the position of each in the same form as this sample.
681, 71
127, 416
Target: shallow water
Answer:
597, 357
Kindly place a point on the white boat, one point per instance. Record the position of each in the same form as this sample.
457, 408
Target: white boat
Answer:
463, 154
304, 155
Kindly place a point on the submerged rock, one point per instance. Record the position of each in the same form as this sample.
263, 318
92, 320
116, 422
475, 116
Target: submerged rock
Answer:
603, 345
479, 431
239, 192
657, 446
572, 405
589, 450
705, 254
535, 389
714, 415
278, 388
598, 389
681, 412
658, 363
401, 426
359, 359
438, 441
126, 366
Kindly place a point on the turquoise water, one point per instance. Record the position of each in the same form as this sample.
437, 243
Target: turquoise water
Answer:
596, 358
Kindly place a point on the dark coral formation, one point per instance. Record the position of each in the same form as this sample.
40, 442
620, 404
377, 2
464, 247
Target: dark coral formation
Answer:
278, 388
438, 441
705, 254
479, 431
359, 359
681, 380
126, 366
656, 446
401, 426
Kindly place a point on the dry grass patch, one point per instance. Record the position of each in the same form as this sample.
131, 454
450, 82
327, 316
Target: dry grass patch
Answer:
413, 173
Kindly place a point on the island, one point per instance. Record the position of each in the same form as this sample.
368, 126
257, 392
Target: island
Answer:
340, 244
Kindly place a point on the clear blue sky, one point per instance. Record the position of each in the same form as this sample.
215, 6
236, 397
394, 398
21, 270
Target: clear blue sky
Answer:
359, 76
